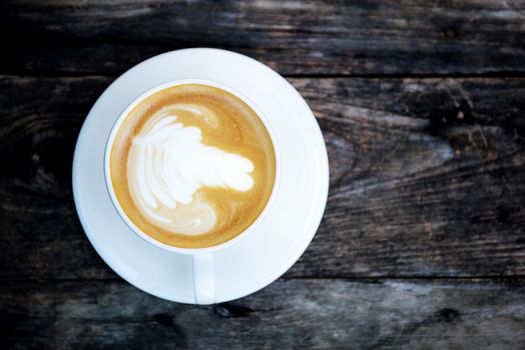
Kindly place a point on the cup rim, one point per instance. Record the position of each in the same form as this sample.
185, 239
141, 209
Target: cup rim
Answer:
109, 185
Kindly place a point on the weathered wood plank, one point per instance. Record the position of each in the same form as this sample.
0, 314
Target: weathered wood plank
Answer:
319, 314
426, 178
295, 37
442, 191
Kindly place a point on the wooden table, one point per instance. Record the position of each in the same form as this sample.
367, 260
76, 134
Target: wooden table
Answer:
422, 108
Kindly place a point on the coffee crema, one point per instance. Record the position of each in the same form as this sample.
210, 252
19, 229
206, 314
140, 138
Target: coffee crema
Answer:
192, 166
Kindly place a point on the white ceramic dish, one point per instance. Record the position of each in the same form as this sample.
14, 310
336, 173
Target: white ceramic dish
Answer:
290, 222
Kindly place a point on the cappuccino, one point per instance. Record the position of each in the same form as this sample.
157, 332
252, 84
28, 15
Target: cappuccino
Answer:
192, 166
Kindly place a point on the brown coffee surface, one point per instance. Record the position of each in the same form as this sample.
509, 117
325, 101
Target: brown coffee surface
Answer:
192, 137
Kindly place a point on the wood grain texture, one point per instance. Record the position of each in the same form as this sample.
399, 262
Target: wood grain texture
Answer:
423, 173
294, 37
426, 178
314, 314
422, 245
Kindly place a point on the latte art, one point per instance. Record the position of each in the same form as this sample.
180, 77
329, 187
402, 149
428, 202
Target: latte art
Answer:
192, 166
168, 163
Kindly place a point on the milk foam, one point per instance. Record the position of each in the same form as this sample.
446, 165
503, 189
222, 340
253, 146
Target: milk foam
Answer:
168, 164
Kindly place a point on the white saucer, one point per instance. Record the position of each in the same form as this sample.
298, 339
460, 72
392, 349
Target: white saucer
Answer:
291, 222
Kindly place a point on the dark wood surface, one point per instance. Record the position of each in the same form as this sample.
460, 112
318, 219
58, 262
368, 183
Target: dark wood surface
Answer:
295, 37
422, 108
290, 313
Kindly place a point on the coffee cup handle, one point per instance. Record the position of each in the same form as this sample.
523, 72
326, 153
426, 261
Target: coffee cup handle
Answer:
203, 279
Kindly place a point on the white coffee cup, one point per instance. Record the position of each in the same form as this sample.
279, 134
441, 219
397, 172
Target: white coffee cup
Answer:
203, 265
